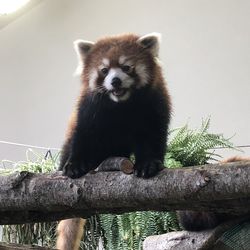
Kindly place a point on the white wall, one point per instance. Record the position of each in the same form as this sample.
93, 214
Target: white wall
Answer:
205, 53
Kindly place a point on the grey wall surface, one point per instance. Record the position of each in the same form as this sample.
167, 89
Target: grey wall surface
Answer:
205, 52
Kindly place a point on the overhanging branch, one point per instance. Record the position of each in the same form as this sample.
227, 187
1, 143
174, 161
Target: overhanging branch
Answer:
27, 197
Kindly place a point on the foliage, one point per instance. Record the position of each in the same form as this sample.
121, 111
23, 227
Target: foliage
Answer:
196, 147
36, 163
127, 231
42, 234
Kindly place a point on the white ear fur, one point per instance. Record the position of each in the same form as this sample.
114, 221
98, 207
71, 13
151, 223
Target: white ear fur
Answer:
151, 42
82, 48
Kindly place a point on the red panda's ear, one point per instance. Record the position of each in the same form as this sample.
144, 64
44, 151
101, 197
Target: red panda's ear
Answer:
82, 49
151, 42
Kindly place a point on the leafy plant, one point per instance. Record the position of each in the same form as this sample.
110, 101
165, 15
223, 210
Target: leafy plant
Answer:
127, 231
36, 163
196, 147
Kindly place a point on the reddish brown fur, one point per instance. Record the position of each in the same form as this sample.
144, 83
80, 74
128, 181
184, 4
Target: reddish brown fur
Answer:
69, 234
235, 158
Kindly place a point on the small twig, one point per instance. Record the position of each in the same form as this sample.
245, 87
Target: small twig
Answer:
116, 164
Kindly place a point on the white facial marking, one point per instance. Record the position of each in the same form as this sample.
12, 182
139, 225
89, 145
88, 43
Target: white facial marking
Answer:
141, 71
106, 62
122, 59
127, 81
92, 79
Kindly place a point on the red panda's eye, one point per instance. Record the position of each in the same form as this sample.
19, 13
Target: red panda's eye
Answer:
104, 71
126, 68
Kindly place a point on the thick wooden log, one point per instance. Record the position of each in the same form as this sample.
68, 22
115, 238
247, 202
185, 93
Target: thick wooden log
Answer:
27, 197
11, 246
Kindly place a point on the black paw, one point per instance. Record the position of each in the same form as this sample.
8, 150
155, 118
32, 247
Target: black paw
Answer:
73, 170
148, 169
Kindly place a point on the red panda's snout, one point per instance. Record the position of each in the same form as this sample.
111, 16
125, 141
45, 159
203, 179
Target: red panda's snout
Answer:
118, 84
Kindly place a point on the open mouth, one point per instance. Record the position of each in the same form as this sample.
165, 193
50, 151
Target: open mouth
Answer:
119, 92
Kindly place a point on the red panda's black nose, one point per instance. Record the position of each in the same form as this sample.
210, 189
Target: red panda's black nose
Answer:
116, 82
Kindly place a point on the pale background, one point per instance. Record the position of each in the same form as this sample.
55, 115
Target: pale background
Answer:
205, 52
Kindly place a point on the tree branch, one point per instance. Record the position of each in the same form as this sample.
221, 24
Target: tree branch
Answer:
28, 197
11, 246
203, 240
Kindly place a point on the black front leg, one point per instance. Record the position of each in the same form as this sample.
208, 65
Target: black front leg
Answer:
80, 151
149, 156
148, 168
75, 167
151, 121
75, 157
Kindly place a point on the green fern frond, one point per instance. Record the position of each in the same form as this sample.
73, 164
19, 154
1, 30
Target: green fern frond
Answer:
195, 147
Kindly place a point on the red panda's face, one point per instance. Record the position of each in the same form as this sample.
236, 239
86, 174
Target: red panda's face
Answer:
119, 76
117, 66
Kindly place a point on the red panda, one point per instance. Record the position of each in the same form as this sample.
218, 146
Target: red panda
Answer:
199, 220
123, 109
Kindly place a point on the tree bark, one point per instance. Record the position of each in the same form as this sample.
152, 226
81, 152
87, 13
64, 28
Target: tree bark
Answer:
27, 197
11, 246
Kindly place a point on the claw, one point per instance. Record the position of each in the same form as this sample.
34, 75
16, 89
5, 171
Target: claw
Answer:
73, 171
148, 169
